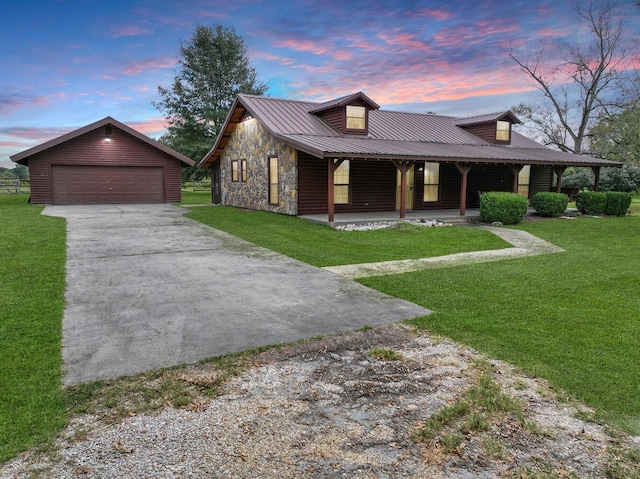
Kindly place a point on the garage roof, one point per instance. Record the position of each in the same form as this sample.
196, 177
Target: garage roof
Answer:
23, 156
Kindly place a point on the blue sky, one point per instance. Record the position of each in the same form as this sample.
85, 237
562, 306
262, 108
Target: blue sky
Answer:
67, 63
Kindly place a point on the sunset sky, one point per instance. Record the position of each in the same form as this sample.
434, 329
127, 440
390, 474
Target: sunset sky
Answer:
67, 63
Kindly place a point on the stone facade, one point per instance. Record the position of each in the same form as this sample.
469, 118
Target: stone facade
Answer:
250, 141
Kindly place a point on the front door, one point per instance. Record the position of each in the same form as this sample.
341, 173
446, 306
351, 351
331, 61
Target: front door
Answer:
408, 191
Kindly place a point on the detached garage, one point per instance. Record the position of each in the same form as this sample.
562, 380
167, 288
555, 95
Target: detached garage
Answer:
105, 162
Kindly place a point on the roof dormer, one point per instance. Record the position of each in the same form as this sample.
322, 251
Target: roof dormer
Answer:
349, 114
493, 128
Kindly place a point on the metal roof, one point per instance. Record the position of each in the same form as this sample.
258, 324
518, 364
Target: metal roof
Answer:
23, 156
487, 118
344, 100
391, 135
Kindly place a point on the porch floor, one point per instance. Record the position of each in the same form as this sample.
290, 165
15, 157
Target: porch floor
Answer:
447, 216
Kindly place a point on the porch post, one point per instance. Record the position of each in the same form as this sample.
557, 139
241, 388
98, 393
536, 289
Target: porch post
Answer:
464, 169
403, 166
333, 166
559, 171
596, 172
516, 174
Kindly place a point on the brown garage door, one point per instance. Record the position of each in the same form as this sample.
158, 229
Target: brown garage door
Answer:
106, 184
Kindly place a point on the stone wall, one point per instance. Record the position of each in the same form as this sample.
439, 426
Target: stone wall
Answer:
250, 141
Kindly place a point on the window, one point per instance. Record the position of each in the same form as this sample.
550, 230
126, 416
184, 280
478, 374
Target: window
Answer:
273, 180
234, 170
524, 177
431, 181
503, 129
355, 117
243, 171
341, 184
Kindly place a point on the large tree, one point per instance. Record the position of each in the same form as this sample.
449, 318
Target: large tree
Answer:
583, 86
212, 70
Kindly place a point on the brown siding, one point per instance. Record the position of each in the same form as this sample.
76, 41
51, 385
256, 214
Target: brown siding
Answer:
487, 132
449, 193
312, 184
372, 186
541, 179
337, 118
92, 149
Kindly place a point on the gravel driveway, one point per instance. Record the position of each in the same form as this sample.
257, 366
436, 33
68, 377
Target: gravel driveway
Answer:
328, 409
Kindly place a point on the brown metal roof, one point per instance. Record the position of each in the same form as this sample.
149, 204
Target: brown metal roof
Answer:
392, 135
487, 118
345, 100
23, 156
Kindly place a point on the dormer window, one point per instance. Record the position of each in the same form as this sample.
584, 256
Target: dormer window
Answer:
355, 117
503, 130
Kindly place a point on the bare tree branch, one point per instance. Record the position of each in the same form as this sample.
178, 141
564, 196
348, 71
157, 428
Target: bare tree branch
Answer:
584, 86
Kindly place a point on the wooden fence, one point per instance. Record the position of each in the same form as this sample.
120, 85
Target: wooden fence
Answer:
13, 186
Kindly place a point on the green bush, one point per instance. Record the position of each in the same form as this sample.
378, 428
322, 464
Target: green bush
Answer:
507, 208
549, 204
618, 203
591, 202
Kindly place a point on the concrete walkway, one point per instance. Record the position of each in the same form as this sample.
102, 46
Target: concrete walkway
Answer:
525, 244
148, 288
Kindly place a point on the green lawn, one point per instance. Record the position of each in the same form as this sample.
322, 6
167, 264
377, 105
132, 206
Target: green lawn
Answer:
573, 318
320, 245
201, 197
32, 248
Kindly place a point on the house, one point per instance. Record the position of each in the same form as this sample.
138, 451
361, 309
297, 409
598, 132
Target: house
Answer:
348, 155
104, 162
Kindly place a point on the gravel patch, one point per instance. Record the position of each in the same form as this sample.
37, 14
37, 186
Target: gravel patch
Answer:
326, 409
383, 225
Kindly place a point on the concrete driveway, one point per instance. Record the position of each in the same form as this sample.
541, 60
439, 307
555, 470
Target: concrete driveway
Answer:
148, 288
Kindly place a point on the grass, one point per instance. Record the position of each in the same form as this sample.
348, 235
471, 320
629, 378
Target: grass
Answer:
320, 245
32, 248
572, 318
196, 197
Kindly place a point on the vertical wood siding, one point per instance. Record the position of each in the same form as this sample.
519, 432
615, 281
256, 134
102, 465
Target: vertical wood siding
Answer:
92, 149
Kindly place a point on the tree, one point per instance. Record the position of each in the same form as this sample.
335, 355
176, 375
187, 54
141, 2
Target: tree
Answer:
21, 172
212, 70
583, 86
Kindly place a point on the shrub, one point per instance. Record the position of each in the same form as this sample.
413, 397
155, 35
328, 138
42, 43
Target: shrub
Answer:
625, 179
550, 204
508, 208
591, 202
582, 178
618, 203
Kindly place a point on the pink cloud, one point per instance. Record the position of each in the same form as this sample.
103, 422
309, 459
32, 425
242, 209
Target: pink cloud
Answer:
405, 40
149, 126
303, 46
11, 144
437, 14
150, 64
129, 31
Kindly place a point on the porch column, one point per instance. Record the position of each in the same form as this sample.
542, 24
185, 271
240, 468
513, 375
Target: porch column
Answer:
464, 169
516, 174
596, 172
559, 171
403, 167
333, 166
